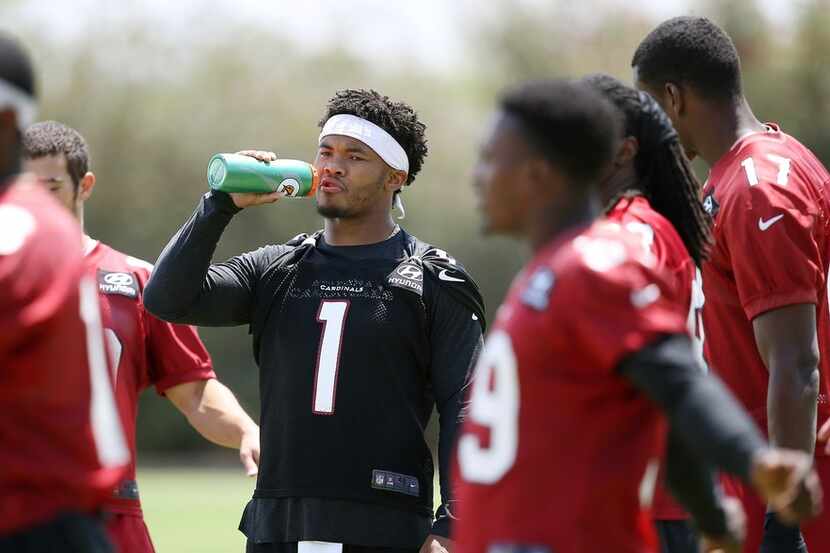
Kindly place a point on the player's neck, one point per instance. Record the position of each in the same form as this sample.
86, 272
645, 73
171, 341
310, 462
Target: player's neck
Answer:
551, 221
622, 181
358, 231
724, 129
79, 215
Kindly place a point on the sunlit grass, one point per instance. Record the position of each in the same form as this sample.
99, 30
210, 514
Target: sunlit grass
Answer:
194, 510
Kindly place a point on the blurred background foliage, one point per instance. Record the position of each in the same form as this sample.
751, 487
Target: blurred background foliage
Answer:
155, 105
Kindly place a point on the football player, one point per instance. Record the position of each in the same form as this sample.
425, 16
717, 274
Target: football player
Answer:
652, 191
63, 446
766, 317
359, 330
562, 442
146, 351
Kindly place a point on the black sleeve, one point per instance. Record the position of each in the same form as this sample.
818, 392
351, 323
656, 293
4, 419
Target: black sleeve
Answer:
692, 483
705, 415
185, 288
707, 426
780, 537
455, 336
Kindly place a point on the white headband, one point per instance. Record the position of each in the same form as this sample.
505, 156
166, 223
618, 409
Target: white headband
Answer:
11, 97
370, 134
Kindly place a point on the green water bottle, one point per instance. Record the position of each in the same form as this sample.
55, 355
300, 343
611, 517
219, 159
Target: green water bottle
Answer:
238, 173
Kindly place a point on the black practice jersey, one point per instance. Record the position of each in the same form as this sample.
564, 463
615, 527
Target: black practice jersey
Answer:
355, 346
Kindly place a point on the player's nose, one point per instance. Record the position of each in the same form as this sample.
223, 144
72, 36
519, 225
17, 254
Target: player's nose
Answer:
332, 168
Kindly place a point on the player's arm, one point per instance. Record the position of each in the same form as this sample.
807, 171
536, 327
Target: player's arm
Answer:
788, 345
769, 229
721, 520
214, 412
787, 341
186, 288
456, 340
714, 430
180, 368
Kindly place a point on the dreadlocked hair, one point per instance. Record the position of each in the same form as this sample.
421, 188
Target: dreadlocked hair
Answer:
664, 174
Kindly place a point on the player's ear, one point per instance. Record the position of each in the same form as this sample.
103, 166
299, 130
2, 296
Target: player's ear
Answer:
86, 185
395, 180
675, 104
629, 146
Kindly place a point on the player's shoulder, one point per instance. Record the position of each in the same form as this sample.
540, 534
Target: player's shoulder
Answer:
760, 162
636, 209
637, 216
118, 273
605, 254
764, 174
589, 269
108, 258
424, 261
440, 265
18, 225
776, 141
40, 247
656, 232
31, 218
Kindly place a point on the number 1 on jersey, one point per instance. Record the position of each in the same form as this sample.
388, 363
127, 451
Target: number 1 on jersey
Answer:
333, 316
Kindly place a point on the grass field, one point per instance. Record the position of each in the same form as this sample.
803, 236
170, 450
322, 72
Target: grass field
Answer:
194, 510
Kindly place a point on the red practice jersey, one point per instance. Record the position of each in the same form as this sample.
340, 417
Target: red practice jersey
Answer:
559, 450
62, 444
146, 351
769, 199
671, 258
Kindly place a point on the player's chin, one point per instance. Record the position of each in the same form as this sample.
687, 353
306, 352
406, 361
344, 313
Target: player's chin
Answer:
331, 211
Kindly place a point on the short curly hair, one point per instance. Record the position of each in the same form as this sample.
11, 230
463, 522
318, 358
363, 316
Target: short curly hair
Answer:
693, 51
569, 124
397, 118
50, 138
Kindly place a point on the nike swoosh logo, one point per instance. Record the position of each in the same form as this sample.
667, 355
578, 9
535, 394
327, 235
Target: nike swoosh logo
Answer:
444, 276
764, 225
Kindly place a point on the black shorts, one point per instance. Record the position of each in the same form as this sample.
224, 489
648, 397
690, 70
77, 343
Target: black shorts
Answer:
66, 533
676, 536
291, 547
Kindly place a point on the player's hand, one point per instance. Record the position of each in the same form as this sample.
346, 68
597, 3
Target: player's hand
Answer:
249, 451
243, 200
786, 480
436, 544
824, 436
732, 541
